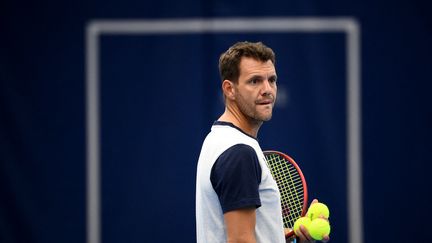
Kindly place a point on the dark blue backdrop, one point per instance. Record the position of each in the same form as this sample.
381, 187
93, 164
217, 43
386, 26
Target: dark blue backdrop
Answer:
159, 96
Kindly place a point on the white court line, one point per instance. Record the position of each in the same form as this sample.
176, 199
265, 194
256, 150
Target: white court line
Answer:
349, 26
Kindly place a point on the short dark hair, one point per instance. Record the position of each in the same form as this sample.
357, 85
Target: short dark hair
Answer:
229, 61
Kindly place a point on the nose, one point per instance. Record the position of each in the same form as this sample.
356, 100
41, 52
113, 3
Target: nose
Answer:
267, 88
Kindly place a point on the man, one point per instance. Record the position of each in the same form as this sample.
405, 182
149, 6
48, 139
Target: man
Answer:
237, 200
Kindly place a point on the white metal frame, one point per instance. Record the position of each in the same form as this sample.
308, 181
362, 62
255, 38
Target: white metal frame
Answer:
349, 26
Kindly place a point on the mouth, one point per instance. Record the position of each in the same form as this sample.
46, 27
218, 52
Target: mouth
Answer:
264, 102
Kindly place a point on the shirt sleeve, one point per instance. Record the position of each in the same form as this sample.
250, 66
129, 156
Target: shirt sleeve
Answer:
236, 176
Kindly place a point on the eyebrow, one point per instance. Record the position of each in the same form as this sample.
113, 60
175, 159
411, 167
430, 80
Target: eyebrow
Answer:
262, 76
274, 76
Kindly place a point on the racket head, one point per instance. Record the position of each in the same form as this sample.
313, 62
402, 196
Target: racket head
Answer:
292, 186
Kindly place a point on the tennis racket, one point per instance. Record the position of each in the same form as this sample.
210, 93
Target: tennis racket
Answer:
292, 187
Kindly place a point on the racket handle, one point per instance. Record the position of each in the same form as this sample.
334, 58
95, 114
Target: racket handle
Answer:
292, 240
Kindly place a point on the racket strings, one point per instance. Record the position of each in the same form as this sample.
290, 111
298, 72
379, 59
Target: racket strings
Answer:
290, 187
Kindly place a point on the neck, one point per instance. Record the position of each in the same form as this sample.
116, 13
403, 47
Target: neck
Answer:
247, 125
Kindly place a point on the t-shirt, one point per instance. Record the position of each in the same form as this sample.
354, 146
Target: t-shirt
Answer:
236, 176
232, 174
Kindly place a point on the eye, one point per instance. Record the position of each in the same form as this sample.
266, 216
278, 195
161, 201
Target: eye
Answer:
254, 80
272, 80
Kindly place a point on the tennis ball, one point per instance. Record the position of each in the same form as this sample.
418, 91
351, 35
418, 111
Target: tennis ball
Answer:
318, 228
317, 210
305, 221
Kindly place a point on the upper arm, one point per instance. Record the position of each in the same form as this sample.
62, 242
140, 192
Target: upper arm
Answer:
235, 177
240, 225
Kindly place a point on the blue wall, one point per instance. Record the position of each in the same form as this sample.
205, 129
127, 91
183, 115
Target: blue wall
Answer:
159, 96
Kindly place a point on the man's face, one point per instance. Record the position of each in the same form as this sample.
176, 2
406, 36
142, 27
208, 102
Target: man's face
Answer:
255, 92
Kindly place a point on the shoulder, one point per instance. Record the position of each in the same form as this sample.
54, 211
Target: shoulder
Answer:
236, 162
238, 155
236, 176
239, 150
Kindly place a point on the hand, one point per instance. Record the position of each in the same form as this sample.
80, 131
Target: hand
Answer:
303, 234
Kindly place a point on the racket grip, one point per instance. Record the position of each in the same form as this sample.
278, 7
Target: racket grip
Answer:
291, 240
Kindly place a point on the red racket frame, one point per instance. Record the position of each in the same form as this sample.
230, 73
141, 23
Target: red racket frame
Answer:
303, 179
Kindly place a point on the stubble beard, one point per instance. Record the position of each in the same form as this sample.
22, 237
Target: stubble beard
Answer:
250, 111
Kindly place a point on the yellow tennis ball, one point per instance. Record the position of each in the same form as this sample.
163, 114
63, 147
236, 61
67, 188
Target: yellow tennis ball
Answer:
317, 210
305, 221
318, 228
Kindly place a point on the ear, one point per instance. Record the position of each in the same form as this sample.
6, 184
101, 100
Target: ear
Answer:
228, 89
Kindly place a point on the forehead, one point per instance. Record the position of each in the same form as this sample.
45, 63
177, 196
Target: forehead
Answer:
250, 66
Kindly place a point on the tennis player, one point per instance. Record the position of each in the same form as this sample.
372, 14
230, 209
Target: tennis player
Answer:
237, 200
